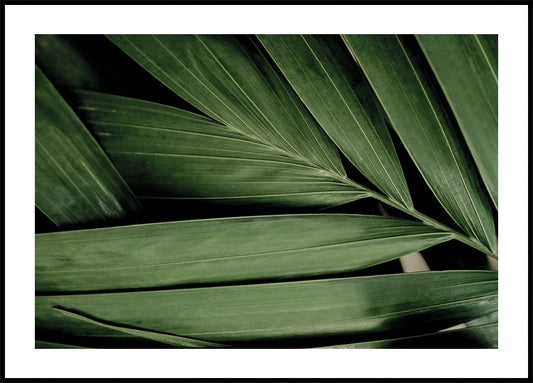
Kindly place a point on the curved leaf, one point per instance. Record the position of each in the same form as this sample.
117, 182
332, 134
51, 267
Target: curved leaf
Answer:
467, 71
323, 74
165, 152
229, 79
222, 250
247, 314
410, 101
74, 180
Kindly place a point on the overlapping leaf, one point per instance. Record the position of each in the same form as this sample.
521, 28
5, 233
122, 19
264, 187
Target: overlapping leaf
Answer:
323, 74
223, 250
75, 181
415, 303
485, 336
406, 93
229, 79
165, 152
172, 340
203, 283
466, 67
479, 332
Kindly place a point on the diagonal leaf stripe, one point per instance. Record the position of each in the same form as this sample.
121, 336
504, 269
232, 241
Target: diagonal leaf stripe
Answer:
468, 74
229, 79
323, 74
426, 130
223, 250
75, 181
415, 302
165, 152
172, 340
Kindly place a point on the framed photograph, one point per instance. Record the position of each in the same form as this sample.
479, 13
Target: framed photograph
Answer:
266, 191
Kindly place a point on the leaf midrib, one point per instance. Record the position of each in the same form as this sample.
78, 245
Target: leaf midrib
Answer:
354, 117
468, 240
341, 178
277, 252
294, 155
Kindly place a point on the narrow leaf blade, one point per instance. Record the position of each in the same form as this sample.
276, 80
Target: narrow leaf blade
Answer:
75, 181
222, 250
410, 303
468, 75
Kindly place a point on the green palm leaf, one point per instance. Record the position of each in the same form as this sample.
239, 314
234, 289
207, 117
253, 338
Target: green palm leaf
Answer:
412, 104
270, 114
172, 340
323, 74
75, 181
223, 250
248, 314
230, 80
467, 69
165, 152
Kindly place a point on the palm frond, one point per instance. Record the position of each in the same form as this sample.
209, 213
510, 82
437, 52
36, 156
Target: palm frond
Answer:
314, 125
325, 77
253, 315
411, 102
165, 152
222, 250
